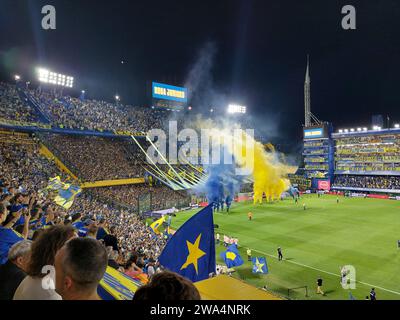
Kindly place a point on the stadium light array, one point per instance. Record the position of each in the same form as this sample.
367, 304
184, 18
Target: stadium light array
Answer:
397, 126
47, 76
17, 77
234, 108
359, 129
117, 98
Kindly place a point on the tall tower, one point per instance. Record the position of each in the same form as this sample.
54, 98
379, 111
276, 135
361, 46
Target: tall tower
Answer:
307, 102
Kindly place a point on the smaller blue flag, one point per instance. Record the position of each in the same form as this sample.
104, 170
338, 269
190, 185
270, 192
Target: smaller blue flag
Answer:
260, 265
232, 257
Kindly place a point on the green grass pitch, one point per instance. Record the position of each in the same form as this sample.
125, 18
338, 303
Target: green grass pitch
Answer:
316, 242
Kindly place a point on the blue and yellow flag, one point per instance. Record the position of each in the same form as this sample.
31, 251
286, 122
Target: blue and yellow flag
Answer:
66, 192
117, 286
191, 250
156, 224
259, 265
232, 257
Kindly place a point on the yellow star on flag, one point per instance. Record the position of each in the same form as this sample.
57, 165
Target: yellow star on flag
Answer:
195, 253
259, 266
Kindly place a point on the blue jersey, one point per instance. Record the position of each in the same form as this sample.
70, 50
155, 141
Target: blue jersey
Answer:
16, 208
80, 226
8, 237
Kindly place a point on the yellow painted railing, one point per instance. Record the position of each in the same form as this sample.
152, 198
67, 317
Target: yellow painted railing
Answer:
110, 183
49, 155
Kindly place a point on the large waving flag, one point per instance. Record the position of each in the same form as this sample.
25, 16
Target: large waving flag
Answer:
156, 224
66, 192
232, 257
260, 265
191, 250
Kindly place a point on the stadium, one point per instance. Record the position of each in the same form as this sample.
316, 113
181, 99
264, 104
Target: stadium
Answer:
117, 198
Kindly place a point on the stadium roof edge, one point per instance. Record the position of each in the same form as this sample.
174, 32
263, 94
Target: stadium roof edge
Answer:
365, 133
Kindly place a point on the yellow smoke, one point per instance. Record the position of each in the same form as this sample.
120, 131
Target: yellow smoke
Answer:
268, 173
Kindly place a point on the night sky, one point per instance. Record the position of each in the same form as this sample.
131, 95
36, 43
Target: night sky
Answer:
249, 52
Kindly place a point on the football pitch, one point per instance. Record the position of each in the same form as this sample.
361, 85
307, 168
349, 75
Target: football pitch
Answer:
316, 242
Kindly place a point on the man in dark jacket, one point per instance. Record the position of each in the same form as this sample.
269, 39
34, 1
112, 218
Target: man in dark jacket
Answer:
111, 240
13, 271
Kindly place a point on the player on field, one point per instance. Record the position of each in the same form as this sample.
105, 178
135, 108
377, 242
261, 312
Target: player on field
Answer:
372, 294
248, 254
280, 255
319, 286
250, 215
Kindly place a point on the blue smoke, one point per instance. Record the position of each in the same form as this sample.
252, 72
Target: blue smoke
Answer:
222, 183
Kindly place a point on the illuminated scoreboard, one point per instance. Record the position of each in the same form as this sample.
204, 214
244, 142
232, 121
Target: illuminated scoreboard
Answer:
168, 96
321, 131
168, 92
313, 133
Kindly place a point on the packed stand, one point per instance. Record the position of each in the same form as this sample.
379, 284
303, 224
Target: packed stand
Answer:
98, 115
368, 182
12, 107
79, 242
158, 197
22, 164
95, 158
371, 153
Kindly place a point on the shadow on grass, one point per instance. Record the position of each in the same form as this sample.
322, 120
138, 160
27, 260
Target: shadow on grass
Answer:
247, 274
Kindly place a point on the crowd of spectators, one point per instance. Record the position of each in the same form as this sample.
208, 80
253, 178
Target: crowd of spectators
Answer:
79, 242
368, 182
130, 231
12, 107
371, 153
153, 197
70, 112
367, 167
96, 158
22, 164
